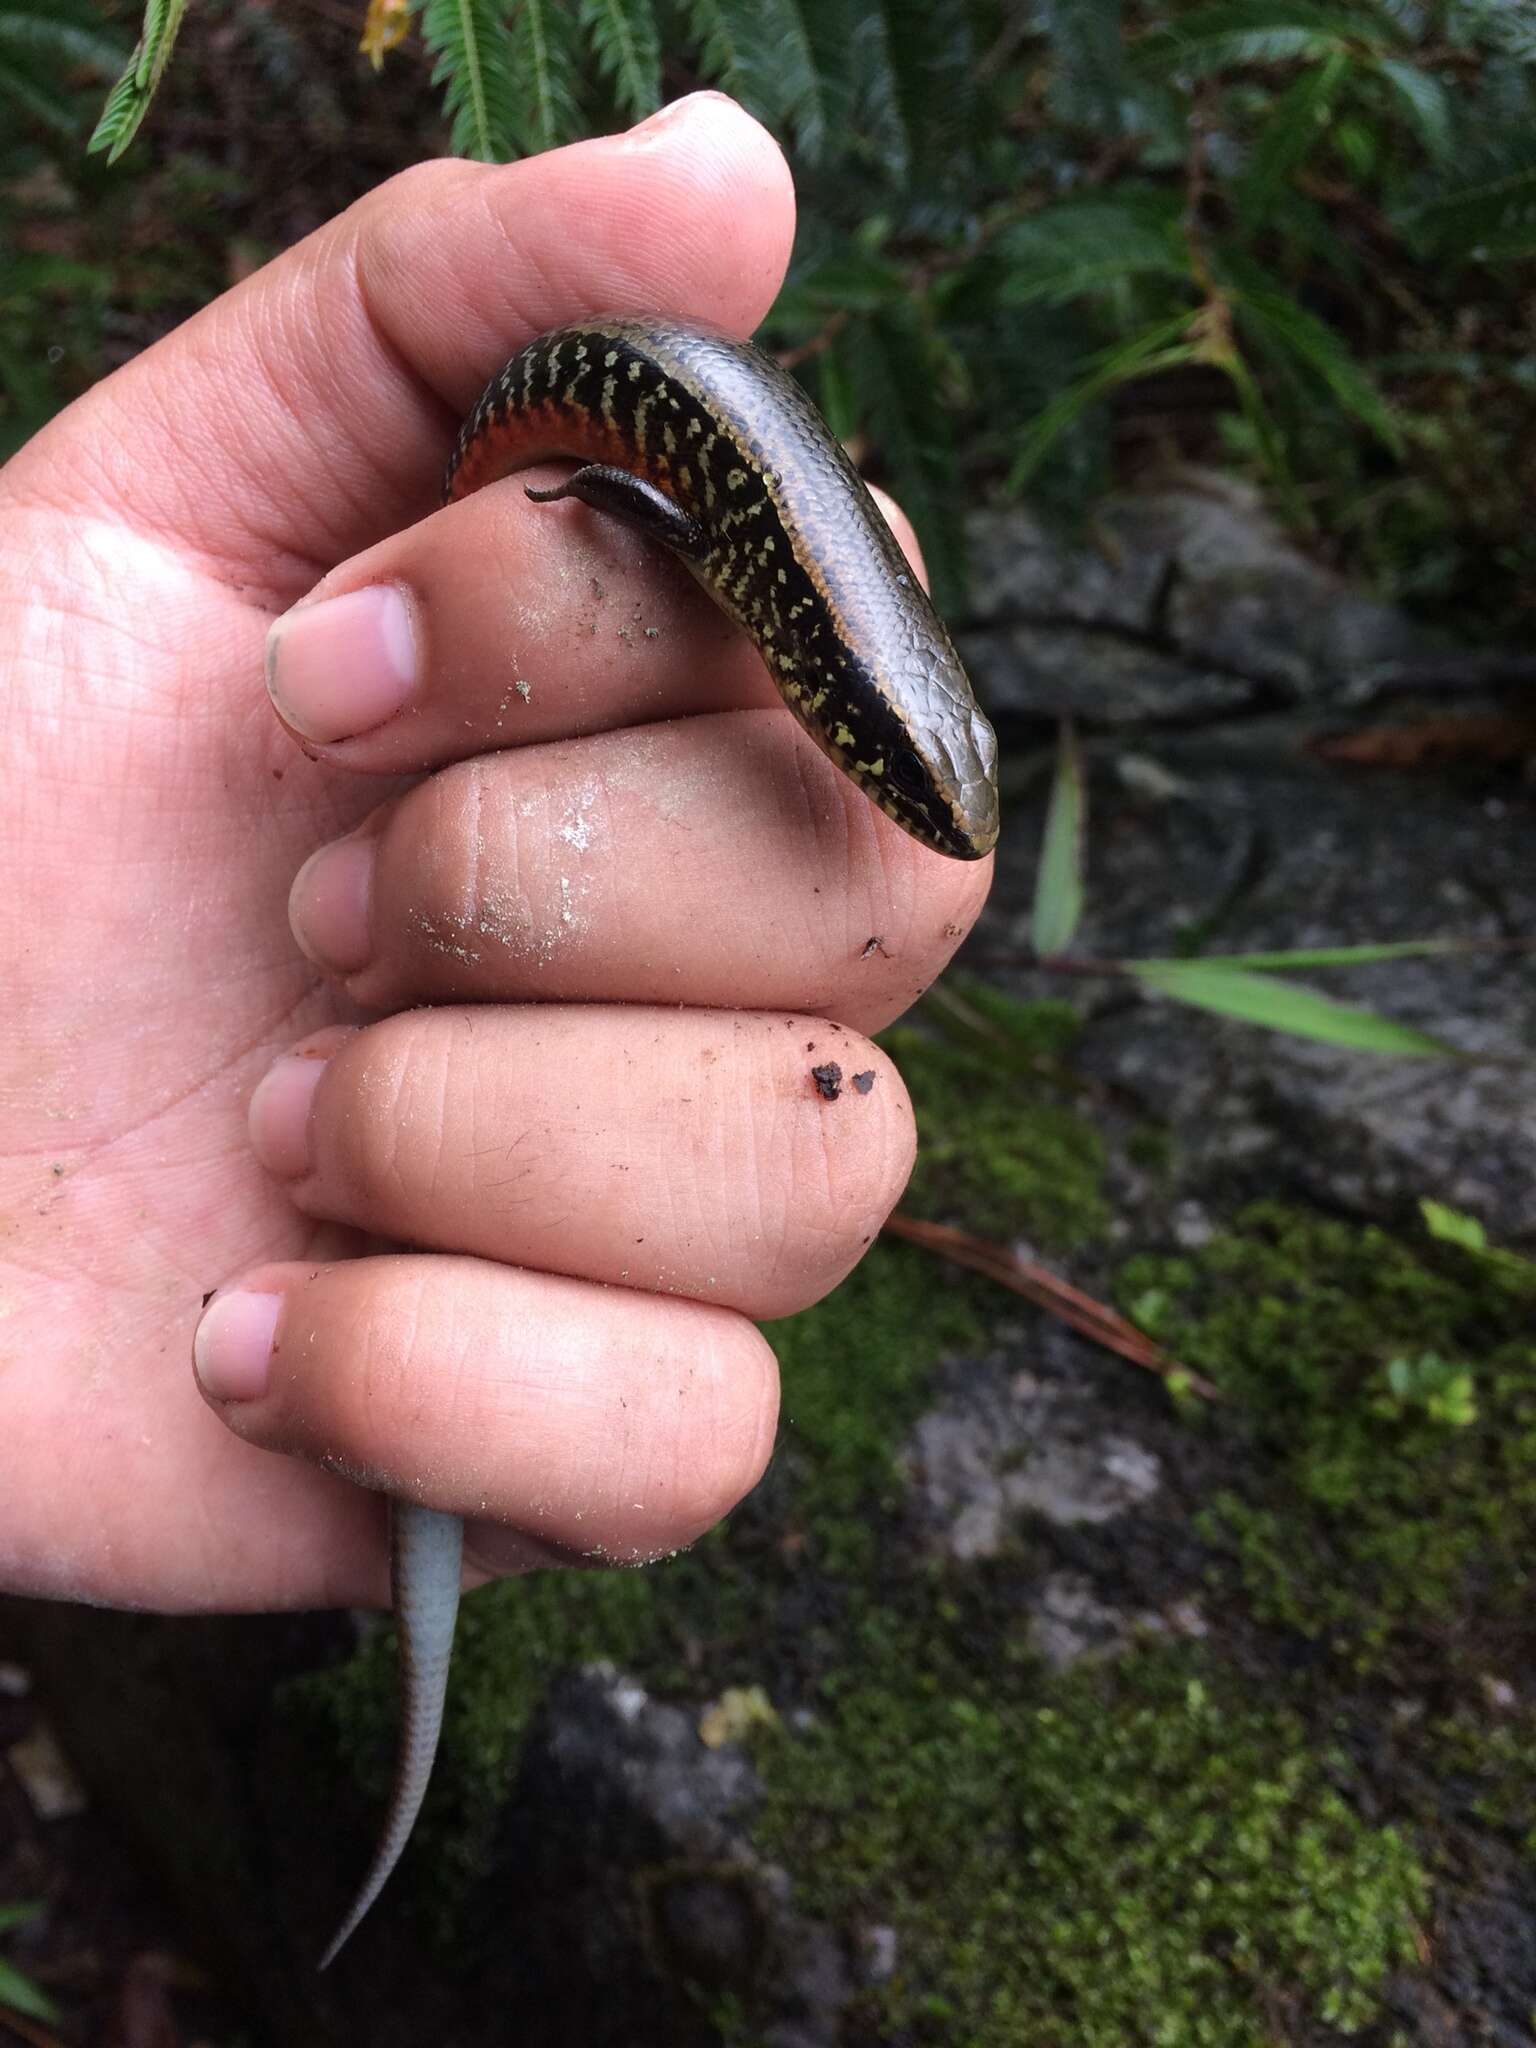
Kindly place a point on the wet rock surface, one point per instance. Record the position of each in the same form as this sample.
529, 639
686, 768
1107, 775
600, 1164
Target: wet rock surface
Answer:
1006, 1447
1177, 605
640, 1885
1229, 835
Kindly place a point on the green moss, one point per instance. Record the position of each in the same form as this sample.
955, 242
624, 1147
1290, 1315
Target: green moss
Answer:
1379, 1509
1127, 1855
1488, 1761
856, 1370
999, 1151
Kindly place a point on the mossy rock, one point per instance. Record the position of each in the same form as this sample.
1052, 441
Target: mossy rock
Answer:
1385, 1395
1135, 1854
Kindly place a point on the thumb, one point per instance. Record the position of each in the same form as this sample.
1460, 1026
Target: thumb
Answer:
309, 412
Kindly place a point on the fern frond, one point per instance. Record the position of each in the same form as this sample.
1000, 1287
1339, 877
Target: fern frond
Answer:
894, 370
803, 91
1288, 332
1241, 32
1490, 216
1083, 245
129, 100
1508, 26
1425, 104
58, 42
1297, 123
911, 68
883, 115
38, 98
1166, 346
485, 101
737, 55
624, 41
544, 61
1087, 44
775, 57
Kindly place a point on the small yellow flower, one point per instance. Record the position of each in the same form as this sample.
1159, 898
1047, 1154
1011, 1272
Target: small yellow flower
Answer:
388, 23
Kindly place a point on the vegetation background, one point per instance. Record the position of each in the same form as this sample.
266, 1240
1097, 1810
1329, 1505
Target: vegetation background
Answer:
1045, 243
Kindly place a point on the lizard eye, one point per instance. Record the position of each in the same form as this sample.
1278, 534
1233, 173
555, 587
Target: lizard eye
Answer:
908, 775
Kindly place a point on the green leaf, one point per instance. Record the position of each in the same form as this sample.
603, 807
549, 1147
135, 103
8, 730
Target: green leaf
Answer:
1297, 122
835, 393
1452, 1227
1158, 348
1058, 908
911, 69
23, 1996
20, 1914
624, 40
1425, 103
1288, 330
543, 59
1284, 1006
802, 83
59, 42
1491, 219
1087, 41
25, 383
1082, 245
39, 99
1342, 956
485, 100
129, 100
737, 55
1246, 32
850, 280
894, 367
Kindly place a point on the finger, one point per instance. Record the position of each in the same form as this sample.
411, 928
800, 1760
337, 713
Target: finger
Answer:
718, 861
501, 623
687, 1153
311, 409
595, 1422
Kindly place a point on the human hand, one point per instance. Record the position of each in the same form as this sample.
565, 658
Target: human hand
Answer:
632, 893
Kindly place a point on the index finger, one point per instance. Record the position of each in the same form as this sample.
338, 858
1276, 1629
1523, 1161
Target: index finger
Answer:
310, 411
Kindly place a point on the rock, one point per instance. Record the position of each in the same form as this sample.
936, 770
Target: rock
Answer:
1244, 843
999, 1447
1048, 670
1068, 1622
643, 1886
1182, 603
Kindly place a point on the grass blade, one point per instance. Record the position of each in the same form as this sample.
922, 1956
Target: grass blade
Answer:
1336, 956
1285, 328
1451, 1226
1159, 348
20, 1994
1058, 908
1278, 1005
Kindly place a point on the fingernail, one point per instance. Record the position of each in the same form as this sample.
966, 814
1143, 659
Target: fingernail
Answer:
278, 1118
343, 665
330, 905
678, 110
232, 1350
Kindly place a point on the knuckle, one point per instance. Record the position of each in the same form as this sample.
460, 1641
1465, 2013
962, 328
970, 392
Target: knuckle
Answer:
382, 1130
459, 887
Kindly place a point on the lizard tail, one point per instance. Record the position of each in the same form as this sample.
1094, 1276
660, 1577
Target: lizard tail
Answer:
426, 1551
